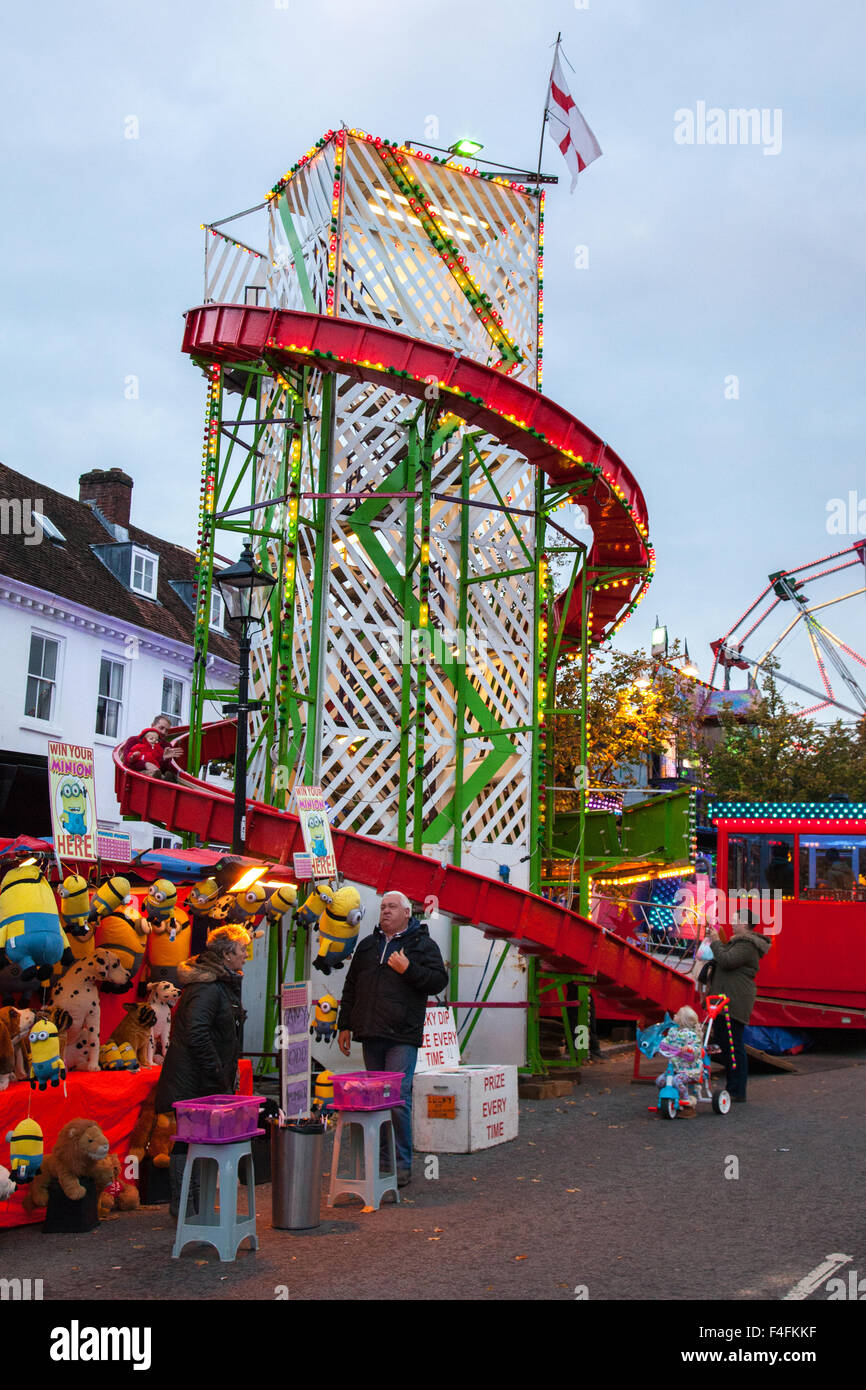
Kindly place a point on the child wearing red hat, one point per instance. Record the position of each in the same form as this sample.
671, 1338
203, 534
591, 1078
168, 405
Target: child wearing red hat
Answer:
146, 754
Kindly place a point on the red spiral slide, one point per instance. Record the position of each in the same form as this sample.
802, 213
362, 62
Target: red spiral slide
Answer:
626, 975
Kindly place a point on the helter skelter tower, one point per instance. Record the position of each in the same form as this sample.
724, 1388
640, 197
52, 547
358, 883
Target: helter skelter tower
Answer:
371, 378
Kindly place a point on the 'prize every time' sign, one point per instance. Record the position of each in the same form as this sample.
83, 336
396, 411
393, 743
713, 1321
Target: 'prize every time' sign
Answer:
72, 789
440, 1047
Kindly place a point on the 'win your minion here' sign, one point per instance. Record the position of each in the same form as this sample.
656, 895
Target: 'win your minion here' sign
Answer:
72, 789
313, 815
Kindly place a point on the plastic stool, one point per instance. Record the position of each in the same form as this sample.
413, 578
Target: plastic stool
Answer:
364, 1130
220, 1227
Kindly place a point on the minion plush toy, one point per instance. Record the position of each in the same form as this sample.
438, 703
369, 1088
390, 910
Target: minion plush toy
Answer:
111, 894
325, 1018
75, 905
31, 936
248, 904
171, 935
323, 1096
26, 1151
208, 907
313, 906
46, 1064
282, 900
338, 928
110, 1058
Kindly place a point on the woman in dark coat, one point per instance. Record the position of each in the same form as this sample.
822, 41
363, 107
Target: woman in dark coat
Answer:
736, 965
203, 1052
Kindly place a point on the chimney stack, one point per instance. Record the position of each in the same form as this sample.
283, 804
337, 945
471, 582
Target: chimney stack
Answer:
111, 490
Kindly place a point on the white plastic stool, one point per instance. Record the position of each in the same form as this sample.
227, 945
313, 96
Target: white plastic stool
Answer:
368, 1132
220, 1227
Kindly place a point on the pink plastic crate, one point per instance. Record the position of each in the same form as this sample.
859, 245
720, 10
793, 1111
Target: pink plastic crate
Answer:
367, 1090
217, 1119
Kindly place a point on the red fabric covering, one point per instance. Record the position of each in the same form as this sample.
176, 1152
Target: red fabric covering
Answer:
112, 1099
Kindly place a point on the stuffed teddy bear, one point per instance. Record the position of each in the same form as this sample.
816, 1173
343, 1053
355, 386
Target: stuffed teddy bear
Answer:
18, 1022
153, 1134
80, 1151
119, 1195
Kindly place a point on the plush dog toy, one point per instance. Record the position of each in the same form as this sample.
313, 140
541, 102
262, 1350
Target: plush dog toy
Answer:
135, 1030
7, 1186
78, 993
162, 996
81, 1151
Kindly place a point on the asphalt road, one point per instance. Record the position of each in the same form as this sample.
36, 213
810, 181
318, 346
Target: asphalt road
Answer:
597, 1198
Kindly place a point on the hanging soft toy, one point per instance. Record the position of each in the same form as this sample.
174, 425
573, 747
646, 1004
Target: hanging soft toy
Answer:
111, 894
323, 1096
170, 940
281, 901
75, 905
325, 1018
203, 897
312, 908
208, 907
26, 1149
31, 936
46, 1064
338, 929
248, 904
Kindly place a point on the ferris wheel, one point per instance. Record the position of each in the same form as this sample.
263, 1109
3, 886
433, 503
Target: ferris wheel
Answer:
745, 646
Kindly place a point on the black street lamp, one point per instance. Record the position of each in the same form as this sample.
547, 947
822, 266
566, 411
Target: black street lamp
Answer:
246, 593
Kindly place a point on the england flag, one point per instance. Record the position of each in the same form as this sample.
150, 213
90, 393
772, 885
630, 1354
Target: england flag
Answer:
568, 128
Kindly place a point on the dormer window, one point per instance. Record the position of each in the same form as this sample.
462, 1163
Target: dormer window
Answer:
48, 528
143, 574
217, 612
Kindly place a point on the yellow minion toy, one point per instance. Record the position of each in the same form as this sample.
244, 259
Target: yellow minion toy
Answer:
203, 896
31, 936
282, 900
169, 943
338, 928
46, 1064
323, 1096
325, 1018
250, 903
110, 895
26, 1151
110, 1058
311, 910
75, 904
160, 901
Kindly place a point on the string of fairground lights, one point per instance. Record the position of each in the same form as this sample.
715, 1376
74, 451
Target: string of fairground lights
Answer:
311, 153
542, 696
781, 810
207, 499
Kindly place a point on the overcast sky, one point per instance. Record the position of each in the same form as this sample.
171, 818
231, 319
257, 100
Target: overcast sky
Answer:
707, 262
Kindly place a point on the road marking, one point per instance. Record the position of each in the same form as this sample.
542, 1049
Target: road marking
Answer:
811, 1281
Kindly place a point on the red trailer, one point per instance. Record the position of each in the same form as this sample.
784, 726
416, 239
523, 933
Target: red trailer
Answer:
805, 865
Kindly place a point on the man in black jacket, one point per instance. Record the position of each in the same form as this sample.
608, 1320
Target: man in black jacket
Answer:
393, 972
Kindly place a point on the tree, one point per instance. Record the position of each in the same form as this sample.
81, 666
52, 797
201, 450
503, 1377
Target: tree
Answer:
637, 709
778, 755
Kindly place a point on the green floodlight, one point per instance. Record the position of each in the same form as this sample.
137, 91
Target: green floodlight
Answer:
467, 147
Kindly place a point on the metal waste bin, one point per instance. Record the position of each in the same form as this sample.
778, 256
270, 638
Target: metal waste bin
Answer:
296, 1174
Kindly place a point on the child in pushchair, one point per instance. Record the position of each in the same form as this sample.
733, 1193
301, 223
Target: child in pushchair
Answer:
683, 1046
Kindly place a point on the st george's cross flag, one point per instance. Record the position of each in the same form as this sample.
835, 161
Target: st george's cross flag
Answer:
568, 128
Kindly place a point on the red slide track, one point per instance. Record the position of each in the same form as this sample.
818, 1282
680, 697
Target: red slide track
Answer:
620, 559
626, 975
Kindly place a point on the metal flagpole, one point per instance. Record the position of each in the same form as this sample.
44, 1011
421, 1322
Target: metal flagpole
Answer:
546, 95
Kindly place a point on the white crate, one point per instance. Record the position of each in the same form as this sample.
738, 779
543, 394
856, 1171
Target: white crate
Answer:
477, 1105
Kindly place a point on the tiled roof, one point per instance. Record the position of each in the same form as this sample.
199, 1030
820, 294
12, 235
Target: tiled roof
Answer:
73, 571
